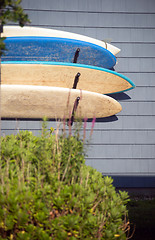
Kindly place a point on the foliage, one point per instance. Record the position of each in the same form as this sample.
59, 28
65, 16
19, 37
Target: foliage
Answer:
2, 46
47, 191
11, 10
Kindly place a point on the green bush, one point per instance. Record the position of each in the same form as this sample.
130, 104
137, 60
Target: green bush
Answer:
47, 191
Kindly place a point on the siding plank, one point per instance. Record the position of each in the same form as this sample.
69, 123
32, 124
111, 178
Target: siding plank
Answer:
130, 167
135, 65
118, 137
110, 123
138, 108
121, 151
136, 50
140, 6
86, 19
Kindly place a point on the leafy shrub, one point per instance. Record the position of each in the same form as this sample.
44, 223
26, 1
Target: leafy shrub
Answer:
47, 191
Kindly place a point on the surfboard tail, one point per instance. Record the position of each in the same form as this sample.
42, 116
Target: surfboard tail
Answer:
113, 49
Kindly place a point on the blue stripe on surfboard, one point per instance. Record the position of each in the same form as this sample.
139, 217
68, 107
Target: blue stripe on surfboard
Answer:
76, 65
57, 50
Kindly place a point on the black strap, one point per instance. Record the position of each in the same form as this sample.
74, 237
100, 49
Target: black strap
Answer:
76, 55
76, 80
71, 120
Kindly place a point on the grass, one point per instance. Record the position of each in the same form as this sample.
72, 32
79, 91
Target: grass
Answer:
142, 218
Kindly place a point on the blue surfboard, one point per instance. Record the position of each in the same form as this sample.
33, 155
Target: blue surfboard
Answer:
57, 50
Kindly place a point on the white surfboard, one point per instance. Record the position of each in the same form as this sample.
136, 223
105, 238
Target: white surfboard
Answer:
14, 31
26, 101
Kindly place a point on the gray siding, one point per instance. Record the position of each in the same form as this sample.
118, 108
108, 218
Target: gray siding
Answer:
124, 145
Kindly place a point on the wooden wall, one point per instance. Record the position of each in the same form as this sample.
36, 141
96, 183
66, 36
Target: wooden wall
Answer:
124, 145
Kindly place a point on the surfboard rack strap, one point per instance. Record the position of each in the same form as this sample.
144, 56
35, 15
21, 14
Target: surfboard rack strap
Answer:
76, 80
76, 55
71, 120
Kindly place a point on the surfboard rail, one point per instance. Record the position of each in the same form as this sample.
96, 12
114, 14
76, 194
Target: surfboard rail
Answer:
13, 31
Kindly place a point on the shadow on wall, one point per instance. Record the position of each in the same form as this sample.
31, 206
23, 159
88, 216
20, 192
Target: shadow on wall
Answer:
120, 96
105, 119
117, 96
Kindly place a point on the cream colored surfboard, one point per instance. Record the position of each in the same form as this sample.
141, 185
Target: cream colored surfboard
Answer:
27, 101
15, 31
63, 74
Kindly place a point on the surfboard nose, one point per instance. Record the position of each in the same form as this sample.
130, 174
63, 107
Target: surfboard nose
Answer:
114, 106
97, 105
119, 107
132, 85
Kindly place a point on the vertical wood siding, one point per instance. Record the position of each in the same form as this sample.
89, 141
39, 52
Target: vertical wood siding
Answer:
124, 145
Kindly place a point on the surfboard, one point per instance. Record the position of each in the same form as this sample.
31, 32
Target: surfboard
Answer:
27, 101
16, 31
56, 49
91, 78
